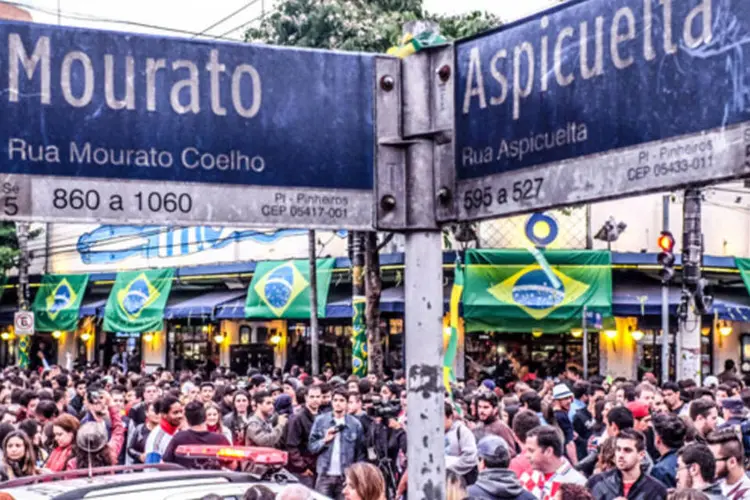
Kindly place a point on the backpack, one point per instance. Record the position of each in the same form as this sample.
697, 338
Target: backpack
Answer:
471, 476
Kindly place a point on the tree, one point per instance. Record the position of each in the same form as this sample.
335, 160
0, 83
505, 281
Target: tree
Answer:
364, 26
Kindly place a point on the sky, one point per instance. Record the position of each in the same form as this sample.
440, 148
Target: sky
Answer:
230, 17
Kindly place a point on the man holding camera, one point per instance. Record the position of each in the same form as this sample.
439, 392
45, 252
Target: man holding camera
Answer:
337, 439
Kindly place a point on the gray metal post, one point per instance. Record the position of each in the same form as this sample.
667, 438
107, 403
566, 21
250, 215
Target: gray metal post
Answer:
312, 250
665, 304
424, 357
415, 187
585, 349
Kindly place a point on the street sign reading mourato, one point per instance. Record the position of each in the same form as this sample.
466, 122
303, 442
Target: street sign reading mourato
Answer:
127, 128
600, 99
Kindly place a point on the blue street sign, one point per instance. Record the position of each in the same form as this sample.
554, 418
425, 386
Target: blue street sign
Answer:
594, 320
124, 127
598, 99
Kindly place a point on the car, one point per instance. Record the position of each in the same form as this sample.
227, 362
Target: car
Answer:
263, 466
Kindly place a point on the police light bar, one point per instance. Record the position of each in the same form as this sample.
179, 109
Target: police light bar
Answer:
260, 456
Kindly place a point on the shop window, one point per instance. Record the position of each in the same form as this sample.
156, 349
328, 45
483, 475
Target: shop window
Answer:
245, 334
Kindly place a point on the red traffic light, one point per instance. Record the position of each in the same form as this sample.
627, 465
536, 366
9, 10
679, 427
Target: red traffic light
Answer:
666, 241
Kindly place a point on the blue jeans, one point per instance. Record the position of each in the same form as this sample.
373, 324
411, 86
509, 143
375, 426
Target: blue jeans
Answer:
330, 486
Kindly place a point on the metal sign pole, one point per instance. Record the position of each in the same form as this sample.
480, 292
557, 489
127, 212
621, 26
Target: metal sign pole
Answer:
424, 356
585, 349
665, 305
415, 181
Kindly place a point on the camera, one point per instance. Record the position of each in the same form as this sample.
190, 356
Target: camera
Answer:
385, 409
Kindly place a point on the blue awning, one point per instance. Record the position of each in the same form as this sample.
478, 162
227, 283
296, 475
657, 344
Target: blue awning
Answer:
92, 307
202, 306
391, 301
645, 300
234, 309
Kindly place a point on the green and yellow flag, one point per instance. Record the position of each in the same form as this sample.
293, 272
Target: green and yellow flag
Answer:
449, 359
512, 291
58, 300
137, 300
281, 290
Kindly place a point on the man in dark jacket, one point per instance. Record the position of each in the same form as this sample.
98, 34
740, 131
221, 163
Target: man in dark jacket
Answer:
495, 480
669, 431
627, 480
301, 462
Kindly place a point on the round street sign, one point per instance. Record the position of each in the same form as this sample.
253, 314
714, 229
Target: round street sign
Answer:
24, 323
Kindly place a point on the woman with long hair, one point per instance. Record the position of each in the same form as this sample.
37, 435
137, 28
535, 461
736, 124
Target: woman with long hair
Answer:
237, 420
364, 482
213, 421
18, 457
64, 428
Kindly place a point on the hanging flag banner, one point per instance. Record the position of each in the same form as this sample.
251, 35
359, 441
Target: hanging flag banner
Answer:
137, 300
58, 301
282, 289
509, 291
449, 376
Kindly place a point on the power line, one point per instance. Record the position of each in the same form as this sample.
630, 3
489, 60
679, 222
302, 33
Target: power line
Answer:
228, 17
256, 18
87, 17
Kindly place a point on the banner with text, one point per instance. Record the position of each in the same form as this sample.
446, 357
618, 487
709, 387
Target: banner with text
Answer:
118, 127
598, 99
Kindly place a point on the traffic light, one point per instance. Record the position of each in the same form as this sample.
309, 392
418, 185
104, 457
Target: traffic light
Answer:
666, 258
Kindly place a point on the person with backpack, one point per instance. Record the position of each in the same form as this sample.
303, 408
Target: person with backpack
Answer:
496, 481
460, 447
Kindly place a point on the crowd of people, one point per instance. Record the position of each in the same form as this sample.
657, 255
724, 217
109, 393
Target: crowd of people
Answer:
345, 437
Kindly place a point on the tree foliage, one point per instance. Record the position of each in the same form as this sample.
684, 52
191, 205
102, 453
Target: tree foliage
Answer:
356, 25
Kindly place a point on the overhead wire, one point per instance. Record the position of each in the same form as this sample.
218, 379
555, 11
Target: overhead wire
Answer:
87, 17
228, 17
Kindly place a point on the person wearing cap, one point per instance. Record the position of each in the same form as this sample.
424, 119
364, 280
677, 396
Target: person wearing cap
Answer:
641, 415
734, 412
563, 398
495, 480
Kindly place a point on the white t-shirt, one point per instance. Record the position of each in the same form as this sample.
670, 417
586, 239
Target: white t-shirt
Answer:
335, 468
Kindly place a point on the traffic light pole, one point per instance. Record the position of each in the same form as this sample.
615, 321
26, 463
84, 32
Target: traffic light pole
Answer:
689, 345
665, 304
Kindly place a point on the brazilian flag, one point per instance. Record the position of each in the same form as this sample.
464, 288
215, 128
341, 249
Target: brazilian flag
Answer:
137, 300
518, 290
281, 290
57, 302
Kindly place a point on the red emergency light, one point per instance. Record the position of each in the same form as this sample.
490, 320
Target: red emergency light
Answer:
260, 456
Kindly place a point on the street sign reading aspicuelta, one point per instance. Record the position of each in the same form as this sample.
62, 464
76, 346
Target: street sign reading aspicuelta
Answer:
598, 99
